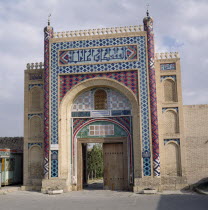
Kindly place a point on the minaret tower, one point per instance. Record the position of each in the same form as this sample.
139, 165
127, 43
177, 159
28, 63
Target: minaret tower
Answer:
148, 27
48, 34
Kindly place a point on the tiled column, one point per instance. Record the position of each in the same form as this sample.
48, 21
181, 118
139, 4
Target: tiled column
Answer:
48, 33
148, 27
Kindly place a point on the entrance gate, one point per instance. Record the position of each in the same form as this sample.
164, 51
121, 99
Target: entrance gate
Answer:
115, 163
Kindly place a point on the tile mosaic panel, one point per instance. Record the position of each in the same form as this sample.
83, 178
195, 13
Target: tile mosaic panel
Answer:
167, 66
35, 85
99, 68
35, 76
120, 112
31, 144
48, 34
175, 108
101, 129
100, 113
98, 55
124, 120
115, 100
174, 140
170, 76
148, 27
54, 163
32, 115
80, 114
128, 78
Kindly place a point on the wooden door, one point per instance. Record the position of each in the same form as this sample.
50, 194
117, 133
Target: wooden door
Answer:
113, 156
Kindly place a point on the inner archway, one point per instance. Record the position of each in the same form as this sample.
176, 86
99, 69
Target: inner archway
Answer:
68, 136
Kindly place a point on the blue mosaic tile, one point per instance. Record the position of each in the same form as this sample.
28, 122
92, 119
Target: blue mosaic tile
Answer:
174, 140
96, 55
140, 64
35, 85
174, 108
32, 115
170, 76
38, 144
167, 66
54, 163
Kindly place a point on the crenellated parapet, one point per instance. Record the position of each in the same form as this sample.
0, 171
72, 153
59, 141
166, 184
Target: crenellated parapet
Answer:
99, 31
33, 66
166, 55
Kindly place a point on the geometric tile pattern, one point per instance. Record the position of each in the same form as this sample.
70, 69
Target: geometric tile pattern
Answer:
128, 78
97, 55
148, 27
48, 33
31, 144
35, 76
54, 163
99, 69
123, 122
118, 101
101, 130
35, 85
167, 66
168, 140
32, 115
115, 101
169, 76
174, 108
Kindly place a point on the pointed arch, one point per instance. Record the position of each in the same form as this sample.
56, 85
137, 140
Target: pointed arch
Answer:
36, 99
171, 123
170, 93
36, 127
172, 159
35, 162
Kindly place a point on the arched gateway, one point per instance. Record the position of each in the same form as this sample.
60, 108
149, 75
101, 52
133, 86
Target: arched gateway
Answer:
112, 126
100, 86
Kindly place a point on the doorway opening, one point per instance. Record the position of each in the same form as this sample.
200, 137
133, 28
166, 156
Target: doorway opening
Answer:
93, 166
102, 164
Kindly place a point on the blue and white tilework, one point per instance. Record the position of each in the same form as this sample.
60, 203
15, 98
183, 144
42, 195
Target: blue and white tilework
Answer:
96, 55
139, 64
31, 144
173, 140
35, 85
167, 66
174, 108
116, 101
54, 163
170, 76
32, 115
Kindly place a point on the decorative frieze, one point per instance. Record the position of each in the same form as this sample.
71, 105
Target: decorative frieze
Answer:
98, 55
167, 55
99, 31
167, 66
35, 66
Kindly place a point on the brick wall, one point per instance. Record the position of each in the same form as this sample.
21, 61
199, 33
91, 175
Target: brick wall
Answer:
196, 138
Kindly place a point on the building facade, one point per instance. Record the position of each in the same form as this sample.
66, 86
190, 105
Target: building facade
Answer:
11, 160
105, 86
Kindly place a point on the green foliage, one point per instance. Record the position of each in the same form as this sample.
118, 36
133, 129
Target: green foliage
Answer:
95, 162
